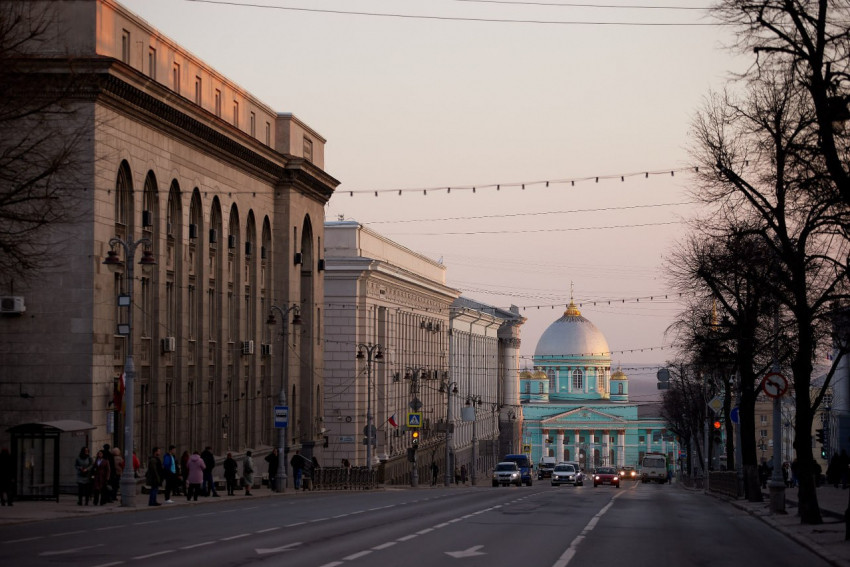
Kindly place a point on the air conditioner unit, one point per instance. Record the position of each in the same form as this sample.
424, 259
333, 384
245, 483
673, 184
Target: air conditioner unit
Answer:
266, 350
12, 305
231, 241
169, 344
213, 236
193, 230
247, 347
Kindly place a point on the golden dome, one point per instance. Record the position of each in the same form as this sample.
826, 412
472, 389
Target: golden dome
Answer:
525, 375
619, 375
572, 310
539, 375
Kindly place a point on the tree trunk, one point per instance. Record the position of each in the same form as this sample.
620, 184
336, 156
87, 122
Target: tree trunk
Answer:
802, 368
749, 456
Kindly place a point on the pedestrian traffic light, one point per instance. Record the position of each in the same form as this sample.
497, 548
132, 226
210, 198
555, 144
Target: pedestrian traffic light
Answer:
415, 438
819, 436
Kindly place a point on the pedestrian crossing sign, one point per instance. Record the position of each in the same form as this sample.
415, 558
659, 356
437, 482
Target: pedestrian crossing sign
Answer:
414, 419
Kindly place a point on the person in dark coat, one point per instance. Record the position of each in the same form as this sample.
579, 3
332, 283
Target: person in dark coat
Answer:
100, 481
209, 463
230, 469
112, 482
435, 471
297, 463
154, 476
273, 459
83, 466
7, 477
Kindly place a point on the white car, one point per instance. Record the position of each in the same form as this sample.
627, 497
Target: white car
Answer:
507, 473
566, 474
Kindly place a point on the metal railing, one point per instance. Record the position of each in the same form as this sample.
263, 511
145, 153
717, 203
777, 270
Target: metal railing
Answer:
344, 478
723, 482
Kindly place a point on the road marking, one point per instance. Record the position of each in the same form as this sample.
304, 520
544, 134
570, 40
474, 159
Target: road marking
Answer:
50, 553
373, 509
443, 525
25, 539
268, 530
319, 520
110, 528
207, 514
177, 518
234, 537
358, 512
340, 516
109, 564
295, 524
143, 523
384, 545
332, 564
570, 552
154, 554
69, 533
251, 508
357, 555
198, 545
407, 537
425, 531
455, 520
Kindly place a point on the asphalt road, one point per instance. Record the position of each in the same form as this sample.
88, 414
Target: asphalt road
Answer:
638, 525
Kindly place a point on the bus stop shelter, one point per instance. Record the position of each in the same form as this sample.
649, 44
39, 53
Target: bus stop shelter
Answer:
36, 453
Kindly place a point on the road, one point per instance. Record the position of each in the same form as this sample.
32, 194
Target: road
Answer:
638, 525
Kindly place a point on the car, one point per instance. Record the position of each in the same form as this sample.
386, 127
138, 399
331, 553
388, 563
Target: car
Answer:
606, 475
565, 474
579, 472
628, 473
526, 467
507, 473
545, 467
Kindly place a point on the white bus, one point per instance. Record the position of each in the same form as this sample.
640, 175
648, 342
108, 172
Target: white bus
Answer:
654, 468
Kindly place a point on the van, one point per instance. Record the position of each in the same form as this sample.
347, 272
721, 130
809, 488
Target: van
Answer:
545, 467
525, 466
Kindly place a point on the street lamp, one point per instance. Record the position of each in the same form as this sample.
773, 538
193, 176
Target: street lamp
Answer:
280, 480
373, 352
512, 417
114, 263
449, 388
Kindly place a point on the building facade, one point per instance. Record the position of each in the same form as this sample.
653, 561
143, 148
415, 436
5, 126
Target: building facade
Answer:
230, 195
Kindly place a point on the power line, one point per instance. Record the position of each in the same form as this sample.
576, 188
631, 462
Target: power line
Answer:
575, 5
532, 230
453, 18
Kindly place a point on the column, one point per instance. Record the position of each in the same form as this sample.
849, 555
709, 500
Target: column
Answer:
570, 379
559, 446
586, 379
621, 453
606, 441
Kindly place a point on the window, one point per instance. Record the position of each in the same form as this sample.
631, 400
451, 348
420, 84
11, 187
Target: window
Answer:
528, 387
152, 63
253, 125
620, 389
578, 379
268, 134
308, 149
198, 95
763, 433
551, 374
125, 47
170, 309
642, 439
218, 103
146, 307
236, 114
763, 419
542, 388
175, 78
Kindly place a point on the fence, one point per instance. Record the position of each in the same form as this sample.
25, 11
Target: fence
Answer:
343, 478
723, 482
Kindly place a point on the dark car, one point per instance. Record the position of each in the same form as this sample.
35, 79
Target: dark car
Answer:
606, 475
544, 470
628, 473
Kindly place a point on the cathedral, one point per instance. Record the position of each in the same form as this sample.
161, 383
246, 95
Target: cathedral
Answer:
575, 408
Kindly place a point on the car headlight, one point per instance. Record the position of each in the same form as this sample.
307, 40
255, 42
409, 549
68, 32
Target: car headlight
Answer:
633, 473
514, 475
597, 478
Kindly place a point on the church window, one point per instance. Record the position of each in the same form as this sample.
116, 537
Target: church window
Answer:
641, 439
528, 387
542, 388
620, 389
578, 379
551, 374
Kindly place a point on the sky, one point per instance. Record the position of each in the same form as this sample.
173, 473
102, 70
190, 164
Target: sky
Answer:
425, 103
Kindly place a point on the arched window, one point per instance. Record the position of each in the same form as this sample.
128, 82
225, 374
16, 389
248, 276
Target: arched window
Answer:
578, 379
123, 196
620, 388
528, 387
542, 389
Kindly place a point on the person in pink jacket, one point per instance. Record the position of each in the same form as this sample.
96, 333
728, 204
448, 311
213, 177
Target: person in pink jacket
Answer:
196, 468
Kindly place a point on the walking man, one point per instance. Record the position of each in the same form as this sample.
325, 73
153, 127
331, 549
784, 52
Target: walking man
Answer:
435, 471
297, 463
169, 466
154, 476
273, 459
209, 462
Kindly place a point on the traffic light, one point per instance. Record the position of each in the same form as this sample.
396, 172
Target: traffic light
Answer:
415, 439
717, 425
819, 436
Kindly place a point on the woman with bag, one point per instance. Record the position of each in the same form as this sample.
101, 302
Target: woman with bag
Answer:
230, 468
102, 472
248, 473
83, 466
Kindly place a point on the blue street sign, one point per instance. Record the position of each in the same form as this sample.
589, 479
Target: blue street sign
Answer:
281, 416
414, 419
733, 415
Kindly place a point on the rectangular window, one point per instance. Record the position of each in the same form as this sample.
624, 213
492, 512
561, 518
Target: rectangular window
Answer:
218, 103
763, 433
146, 307
198, 95
125, 47
253, 125
641, 439
308, 149
152, 63
175, 78
236, 114
268, 134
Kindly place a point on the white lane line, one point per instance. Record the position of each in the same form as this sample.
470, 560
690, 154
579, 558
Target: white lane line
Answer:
177, 518
340, 516
49, 553
373, 509
109, 564
110, 528
358, 512
357, 555
234, 537
407, 537
143, 523
22, 540
425, 531
319, 520
443, 525
268, 530
390, 506
455, 520
251, 508
69, 533
207, 514
198, 545
384, 545
570, 552
295, 524
332, 564
154, 554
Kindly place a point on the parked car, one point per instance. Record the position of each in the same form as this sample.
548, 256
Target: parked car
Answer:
565, 474
606, 475
507, 473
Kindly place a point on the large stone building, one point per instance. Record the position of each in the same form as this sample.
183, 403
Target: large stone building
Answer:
231, 195
379, 293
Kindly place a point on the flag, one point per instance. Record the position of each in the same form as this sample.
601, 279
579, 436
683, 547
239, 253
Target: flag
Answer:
118, 395
392, 421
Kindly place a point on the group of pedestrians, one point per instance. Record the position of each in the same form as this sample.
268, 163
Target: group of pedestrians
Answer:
99, 477
189, 475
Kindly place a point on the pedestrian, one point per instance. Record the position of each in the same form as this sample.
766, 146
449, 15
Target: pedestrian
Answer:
194, 476
435, 470
794, 470
118, 461
107, 454
7, 477
230, 468
184, 472
297, 464
463, 474
100, 481
274, 461
209, 462
154, 476
457, 474
248, 473
169, 467
83, 466
314, 471
137, 464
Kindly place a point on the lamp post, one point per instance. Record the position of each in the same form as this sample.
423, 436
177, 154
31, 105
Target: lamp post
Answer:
474, 401
512, 419
449, 388
373, 352
280, 476
113, 262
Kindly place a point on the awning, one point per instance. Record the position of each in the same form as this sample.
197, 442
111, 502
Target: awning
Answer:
60, 426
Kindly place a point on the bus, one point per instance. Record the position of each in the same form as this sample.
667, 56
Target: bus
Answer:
654, 468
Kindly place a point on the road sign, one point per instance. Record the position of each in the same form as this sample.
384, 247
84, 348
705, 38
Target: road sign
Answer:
716, 404
415, 405
414, 419
734, 415
281, 416
526, 448
775, 385
374, 429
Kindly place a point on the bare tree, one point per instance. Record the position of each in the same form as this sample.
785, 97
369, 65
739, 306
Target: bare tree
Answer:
41, 137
